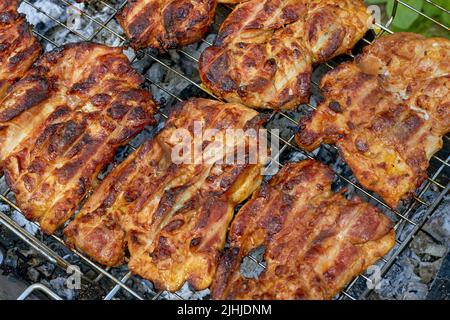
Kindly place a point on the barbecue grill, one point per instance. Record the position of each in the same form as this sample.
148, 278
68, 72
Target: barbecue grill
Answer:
119, 283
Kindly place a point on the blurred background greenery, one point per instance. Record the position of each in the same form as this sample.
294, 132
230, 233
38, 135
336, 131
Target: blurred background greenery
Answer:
408, 20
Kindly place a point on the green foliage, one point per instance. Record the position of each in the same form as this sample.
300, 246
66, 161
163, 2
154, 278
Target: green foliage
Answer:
407, 19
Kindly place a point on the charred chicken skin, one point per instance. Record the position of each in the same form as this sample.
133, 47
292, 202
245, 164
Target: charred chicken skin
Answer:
265, 50
166, 24
62, 123
18, 47
386, 112
315, 240
172, 216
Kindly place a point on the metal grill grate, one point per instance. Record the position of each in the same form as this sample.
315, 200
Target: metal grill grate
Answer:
438, 175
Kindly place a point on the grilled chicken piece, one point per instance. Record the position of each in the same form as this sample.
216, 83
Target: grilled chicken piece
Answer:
166, 24
386, 112
18, 47
173, 216
316, 241
62, 123
265, 50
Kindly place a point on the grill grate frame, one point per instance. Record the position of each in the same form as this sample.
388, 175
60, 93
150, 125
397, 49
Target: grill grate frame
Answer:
438, 177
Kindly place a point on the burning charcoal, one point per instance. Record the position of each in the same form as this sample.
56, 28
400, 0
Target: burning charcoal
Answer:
428, 270
3, 207
186, 292
425, 248
440, 290
23, 222
38, 19
200, 295
33, 274
143, 286
2, 255
59, 286
436, 250
46, 269
439, 225
249, 267
401, 282
155, 72
11, 259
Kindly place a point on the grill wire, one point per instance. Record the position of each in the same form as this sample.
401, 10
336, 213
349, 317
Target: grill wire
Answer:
438, 178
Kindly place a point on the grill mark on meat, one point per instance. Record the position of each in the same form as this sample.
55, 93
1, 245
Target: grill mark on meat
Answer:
291, 36
178, 222
18, 47
315, 241
37, 94
68, 137
382, 133
166, 24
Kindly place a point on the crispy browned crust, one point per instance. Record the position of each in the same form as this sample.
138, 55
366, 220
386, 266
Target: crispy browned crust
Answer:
315, 241
387, 113
61, 124
173, 217
18, 47
265, 50
166, 24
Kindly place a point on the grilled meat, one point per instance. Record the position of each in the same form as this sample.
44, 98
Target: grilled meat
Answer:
166, 24
172, 216
62, 123
315, 240
265, 50
386, 112
18, 47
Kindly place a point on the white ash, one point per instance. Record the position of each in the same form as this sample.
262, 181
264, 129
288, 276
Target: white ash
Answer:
46, 269
402, 283
439, 226
11, 260
23, 222
80, 27
411, 276
38, 19
19, 219
144, 286
183, 61
4, 207
106, 37
58, 285
33, 274
166, 79
186, 293
251, 268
